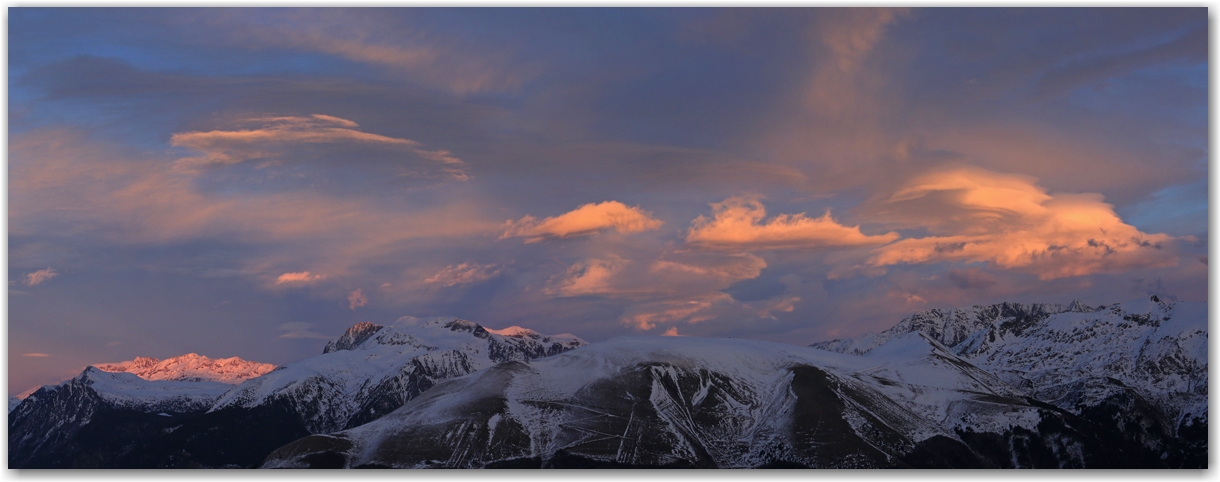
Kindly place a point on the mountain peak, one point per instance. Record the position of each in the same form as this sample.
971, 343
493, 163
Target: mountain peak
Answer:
190, 367
354, 336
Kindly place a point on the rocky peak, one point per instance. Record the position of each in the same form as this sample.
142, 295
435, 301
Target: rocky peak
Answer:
353, 337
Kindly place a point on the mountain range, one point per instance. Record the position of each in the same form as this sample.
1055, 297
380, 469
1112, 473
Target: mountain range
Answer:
1007, 385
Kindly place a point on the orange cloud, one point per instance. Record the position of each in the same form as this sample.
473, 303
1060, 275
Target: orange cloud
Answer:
37, 277
591, 277
584, 221
277, 138
692, 275
737, 223
357, 299
302, 277
1007, 220
702, 307
35, 355
464, 273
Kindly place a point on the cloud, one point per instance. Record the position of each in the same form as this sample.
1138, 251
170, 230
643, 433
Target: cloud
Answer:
736, 223
672, 331
296, 138
297, 329
1007, 220
61, 181
418, 51
37, 277
356, 299
851, 33
585, 220
301, 277
464, 273
676, 287
972, 278
684, 274
35, 355
591, 277
703, 307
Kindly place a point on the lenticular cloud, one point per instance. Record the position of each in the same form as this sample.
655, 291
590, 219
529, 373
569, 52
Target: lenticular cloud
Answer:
1007, 220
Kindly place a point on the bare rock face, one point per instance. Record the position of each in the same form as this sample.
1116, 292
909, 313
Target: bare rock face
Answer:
354, 336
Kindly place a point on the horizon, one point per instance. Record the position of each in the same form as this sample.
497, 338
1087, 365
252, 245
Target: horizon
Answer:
253, 182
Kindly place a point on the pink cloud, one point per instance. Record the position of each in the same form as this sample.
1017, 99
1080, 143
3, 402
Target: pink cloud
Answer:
282, 138
672, 331
35, 355
585, 220
737, 223
301, 277
357, 299
465, 273
1007, 220
38, 277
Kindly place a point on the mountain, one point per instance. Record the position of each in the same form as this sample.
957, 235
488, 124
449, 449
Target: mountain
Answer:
191, 367
77, 423
1031, 386
704, 403
368, 371
951, 327
371, 369
1008, 385
1140, 364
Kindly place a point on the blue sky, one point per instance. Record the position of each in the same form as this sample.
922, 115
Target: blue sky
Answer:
251, 182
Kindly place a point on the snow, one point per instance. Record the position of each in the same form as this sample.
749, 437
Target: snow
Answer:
514, 330
130, 391
370, 355
935, 386
1157, 347
191, 366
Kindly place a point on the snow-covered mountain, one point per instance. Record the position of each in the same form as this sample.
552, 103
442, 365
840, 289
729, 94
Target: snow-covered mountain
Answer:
191, 367
951, 327
690, 402
998, 386
1155, 347
1141, 363
186, 412
1007, 385
372, 369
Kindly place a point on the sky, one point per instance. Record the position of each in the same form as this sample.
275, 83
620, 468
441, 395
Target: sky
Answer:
252, 182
